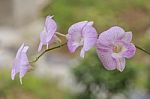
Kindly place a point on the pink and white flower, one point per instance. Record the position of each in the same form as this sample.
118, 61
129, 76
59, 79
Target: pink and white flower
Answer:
113, 46
48, 36
21, 63
81, 34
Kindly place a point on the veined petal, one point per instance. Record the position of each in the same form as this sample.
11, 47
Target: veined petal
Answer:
81, 33
74, 35
23, 57
90, 37
50, 26
44, 36
24, 63
16, 62
120, 64
107, 60
120, 61
21, 63
15, 69
77, 27
130, 50
72, 46
111, 35
48, 33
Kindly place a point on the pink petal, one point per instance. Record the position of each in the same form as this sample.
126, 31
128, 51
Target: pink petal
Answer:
90, 37
111, 35
130, 50
25, 49
74, 35
44, 36
120, 64
120, 61
77, 27
48, 33
79, 34
128, 37
72, 46
107, 60
21, 63
90, 23
50, 26
24, 63
14, 70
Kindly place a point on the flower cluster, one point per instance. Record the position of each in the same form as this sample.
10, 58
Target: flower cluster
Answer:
112, 45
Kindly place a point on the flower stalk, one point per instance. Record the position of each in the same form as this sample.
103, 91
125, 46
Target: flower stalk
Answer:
60, 34
47, 50
63, 35
142, 49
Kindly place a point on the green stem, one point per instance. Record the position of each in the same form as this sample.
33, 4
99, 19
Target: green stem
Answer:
63, 35
38, 57
142, 49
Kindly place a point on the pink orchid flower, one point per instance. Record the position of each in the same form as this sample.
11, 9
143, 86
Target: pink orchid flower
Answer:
48, 36
113, 46
81, 34
21, 63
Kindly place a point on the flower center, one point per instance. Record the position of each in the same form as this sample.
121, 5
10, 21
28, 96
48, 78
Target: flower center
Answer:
117, 48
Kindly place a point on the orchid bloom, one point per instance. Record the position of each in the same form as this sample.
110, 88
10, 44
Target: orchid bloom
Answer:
81, 34
113, 46
21, 63
47, 36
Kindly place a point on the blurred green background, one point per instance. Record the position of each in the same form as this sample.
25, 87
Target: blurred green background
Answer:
95, 81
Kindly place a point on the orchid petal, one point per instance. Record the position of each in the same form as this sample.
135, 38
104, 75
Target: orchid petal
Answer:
128, 37
107, 60
130, 50
90, 37
48, 33
111, 35
21, 63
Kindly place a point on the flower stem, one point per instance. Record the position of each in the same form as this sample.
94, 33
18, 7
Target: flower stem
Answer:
63, 35
38, 57
142, 49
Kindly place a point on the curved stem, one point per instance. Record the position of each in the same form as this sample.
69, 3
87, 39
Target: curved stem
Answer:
38, 57
61, 34
142, 49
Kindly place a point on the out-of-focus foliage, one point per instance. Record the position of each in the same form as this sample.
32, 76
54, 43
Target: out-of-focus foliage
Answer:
91, 74
32, 88
132, 14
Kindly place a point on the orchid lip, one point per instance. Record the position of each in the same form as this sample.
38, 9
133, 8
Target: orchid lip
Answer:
117, 48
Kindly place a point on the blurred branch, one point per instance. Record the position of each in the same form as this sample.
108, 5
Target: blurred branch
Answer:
38, 57
142, 49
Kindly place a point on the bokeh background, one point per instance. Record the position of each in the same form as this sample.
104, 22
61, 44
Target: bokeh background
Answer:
61, 75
